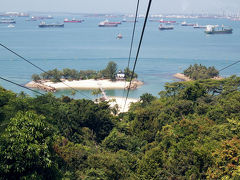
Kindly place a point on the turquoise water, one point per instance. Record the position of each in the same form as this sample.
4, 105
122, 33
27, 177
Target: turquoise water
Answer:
86, 46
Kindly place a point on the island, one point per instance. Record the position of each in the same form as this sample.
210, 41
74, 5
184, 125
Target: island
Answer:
108, 78
198, 72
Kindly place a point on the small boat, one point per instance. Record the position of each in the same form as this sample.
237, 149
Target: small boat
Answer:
72, 21
11, 26
119, 36
161, 27
199, 26
184, 23
106, 23
210, 29
44, 25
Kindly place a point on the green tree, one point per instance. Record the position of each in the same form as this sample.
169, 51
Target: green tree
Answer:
36, 77
128, 74
96, 92
227, 165
151, 165
110, 71
26, 148
196, 72
146, 98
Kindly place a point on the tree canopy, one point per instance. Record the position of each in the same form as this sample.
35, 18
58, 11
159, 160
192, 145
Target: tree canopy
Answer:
197, 72
109, 72
191, 131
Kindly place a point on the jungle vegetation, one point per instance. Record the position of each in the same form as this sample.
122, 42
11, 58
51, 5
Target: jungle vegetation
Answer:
190, 131
197, 72
71, 74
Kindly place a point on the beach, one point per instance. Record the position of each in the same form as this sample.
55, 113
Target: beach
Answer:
185, 78
83, 84
120, 101
182, 77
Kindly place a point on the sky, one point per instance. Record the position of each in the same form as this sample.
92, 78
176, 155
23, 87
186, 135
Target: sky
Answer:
122, 6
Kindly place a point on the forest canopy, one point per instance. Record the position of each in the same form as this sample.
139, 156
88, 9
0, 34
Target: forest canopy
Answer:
191, 131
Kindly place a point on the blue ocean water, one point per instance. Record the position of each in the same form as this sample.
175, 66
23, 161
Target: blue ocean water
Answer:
85, 46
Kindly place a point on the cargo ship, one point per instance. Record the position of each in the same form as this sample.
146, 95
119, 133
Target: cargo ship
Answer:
7, 21
106, 23
186, 24
161, 27
54, 25
210, 29
72, 21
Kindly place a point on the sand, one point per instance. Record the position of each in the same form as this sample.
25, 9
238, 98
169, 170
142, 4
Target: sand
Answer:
182, 77
89, 84
120, 101
185, 78
84, 84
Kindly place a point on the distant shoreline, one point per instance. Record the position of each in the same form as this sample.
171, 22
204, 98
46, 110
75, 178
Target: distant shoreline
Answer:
47, 85
185, 78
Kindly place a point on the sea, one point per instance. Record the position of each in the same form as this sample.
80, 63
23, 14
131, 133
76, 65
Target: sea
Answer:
84, 46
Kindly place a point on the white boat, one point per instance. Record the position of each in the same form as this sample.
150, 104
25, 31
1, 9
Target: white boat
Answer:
106, 23
119, 36
11, 26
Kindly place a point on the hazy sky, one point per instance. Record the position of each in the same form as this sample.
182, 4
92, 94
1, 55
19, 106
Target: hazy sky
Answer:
121, 6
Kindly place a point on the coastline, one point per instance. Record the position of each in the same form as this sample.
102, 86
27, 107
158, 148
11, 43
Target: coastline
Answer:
82, 84
182, 77
185, 78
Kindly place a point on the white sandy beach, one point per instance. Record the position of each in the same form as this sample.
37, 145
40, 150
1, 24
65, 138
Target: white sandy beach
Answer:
120, 102
89, 84
83, 84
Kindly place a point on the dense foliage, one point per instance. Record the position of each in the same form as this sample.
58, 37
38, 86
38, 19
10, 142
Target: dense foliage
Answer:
192, 131
197, 72
71, 74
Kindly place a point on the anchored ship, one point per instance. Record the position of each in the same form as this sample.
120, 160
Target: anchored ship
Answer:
7, 21
119, 36
161, 27
186, 24
210, 29
72, 21
44, 25
106, 23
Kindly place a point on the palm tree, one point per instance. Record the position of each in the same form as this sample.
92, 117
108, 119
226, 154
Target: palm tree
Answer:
96, 92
